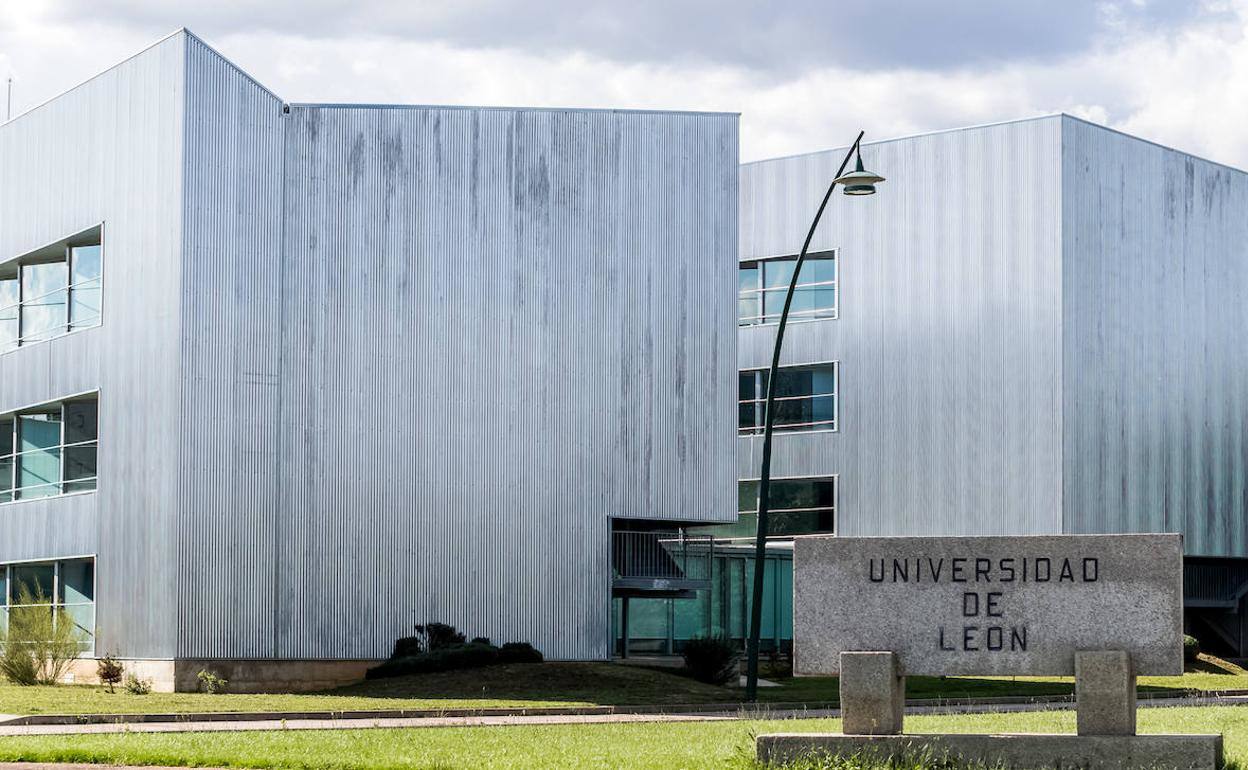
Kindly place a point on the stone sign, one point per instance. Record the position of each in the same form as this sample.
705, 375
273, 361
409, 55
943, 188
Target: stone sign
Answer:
988, 605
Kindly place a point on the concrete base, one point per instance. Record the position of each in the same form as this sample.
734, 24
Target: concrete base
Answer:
243, 675
1114, 752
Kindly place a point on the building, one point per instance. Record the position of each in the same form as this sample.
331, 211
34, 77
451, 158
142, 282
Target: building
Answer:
280, 381
1034, 327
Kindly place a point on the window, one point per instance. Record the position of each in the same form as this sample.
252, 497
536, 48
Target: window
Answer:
797, 506
762, 284
49, 450
805, 399
66, 588
51, 291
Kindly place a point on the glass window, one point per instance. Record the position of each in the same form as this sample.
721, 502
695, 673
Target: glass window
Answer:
56, 448
9, 298
45, 301
39, 454
85, 287
7, 459
81, 424
798, 506
805, 399
77, 581
33, 584
763, 285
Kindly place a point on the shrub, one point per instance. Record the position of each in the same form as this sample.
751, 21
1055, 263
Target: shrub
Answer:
439, 636
407, 645
519, 652
210, 682
1191, 649
40, 641
711, 659
110, 671
482, 640
137, 686
441, 659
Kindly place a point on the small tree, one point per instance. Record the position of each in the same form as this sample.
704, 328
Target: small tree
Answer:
110, 671
40, 642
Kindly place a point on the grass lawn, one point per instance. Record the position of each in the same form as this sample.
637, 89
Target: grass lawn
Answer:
555, 684
688, 745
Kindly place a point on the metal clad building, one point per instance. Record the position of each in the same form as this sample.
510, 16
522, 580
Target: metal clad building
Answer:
355, 367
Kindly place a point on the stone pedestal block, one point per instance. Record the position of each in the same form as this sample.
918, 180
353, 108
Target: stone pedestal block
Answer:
1104, 693
1021, 752
873, 693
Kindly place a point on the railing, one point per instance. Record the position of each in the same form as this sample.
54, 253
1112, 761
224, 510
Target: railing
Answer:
661, 556
10, 470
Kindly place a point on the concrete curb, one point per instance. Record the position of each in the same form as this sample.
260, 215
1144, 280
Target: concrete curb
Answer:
469, 713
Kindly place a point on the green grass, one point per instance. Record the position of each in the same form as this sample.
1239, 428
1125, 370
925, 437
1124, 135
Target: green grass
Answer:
552, 684
690, 745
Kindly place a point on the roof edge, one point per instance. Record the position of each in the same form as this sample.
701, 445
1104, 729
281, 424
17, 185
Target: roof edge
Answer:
503, 108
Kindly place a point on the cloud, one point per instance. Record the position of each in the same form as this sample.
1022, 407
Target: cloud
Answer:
1179, 83
782, 37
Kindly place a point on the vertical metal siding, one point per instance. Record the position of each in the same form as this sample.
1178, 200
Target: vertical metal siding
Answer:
1156, 376
948, 336
231, 301
111, 151
500, 328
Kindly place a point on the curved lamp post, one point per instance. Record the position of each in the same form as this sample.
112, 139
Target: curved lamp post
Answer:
856, 182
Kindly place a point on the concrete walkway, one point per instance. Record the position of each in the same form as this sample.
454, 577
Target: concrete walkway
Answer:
558, 719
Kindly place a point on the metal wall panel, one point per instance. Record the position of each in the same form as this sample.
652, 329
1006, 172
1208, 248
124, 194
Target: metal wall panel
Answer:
1156, 369
500, 328
108, 151
949, 331
231, 314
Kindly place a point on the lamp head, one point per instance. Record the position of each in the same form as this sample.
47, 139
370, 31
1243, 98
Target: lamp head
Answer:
858, 181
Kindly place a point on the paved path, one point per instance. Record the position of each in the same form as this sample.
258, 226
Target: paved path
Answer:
564, 719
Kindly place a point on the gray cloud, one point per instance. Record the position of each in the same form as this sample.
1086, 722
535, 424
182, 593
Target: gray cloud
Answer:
767, 37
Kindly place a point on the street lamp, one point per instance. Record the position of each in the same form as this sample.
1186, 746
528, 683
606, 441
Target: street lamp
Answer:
856, 182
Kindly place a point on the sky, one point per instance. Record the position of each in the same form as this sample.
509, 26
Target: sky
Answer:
804, 74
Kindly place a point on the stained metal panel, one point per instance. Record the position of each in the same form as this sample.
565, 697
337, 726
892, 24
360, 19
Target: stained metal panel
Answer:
108, 151
500, 328
1155, 369
949, 332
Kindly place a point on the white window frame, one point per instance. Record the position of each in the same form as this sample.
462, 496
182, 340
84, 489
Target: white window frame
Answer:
7, 567
760, 402
795, 316
60, 483
835, 478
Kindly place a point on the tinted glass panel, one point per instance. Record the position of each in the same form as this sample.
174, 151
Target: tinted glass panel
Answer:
45, 301
85, 292
8, 312
747, 297
7, 461
80, 445
33, 579
77, 581
39, 457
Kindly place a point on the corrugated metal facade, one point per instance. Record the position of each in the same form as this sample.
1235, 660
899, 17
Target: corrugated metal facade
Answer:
1156, 366
108, 151
1040, 330
948, 335
361, 368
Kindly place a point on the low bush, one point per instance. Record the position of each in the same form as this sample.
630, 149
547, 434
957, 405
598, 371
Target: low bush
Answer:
211, 682
110, 671
519, 652
439, 647
136, 686
1191, 649
711, 659
443, 659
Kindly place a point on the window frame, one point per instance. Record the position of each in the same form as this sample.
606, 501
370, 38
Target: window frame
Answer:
46, 254
795, 316
8, 567
13, 414
835, 478
760, 402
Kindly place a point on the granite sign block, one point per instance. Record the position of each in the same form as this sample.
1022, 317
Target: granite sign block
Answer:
989, 605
